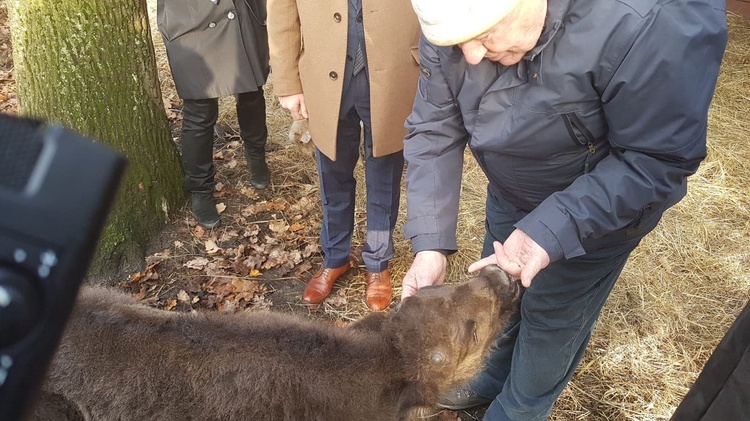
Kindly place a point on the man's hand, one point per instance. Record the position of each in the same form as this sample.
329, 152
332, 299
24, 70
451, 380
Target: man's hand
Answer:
295, 104
427, 269
520, 256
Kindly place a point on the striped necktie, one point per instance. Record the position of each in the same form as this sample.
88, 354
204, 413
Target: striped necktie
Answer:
359, 60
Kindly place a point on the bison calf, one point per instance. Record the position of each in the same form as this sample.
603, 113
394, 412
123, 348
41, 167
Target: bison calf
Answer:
122, 360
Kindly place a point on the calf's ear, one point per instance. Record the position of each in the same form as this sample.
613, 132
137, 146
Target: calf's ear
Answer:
373, 322
405, 303
494, 274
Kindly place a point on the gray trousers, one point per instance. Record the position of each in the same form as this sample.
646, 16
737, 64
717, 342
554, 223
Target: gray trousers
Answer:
546, 339
338, 185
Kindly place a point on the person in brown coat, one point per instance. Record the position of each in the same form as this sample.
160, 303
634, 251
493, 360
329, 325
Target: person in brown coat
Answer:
217, 48
349, 66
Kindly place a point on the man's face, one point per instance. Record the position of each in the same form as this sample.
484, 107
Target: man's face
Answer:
511, 38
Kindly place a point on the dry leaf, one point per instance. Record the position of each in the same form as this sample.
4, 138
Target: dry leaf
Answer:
198, 263
227, 306
296, 227
211, 248
228, 235
242, 285
221, 207
249, 192
278, 225
157, 258
183, 296
309, 250
243, 266
171, 303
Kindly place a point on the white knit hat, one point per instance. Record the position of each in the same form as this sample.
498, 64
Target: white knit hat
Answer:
449, 22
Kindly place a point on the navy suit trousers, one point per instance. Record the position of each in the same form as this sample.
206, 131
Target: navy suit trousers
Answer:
338, 185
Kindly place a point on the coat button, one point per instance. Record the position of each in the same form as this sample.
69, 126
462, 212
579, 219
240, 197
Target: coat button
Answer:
337, 17
212, 25
426, 72
333, 75
359, 18
231, 15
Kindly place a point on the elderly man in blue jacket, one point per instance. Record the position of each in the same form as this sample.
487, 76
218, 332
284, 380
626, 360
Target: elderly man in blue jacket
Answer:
587, 117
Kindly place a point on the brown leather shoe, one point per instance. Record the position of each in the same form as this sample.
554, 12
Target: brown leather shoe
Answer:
320, 285
379, 292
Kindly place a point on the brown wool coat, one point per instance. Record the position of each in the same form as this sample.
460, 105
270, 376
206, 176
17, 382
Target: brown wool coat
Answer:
307, 41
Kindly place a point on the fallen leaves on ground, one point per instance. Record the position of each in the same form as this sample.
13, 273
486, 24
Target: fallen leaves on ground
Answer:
263, 235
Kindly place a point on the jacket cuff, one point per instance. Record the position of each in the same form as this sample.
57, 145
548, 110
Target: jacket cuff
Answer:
424, 235
287, 87
554, 232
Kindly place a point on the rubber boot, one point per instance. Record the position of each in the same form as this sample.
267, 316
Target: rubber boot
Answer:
259, 174
204, 209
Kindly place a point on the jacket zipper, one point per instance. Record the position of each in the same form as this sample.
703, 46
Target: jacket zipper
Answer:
580, 134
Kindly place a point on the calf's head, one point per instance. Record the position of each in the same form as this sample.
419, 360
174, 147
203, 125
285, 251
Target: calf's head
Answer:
445, 332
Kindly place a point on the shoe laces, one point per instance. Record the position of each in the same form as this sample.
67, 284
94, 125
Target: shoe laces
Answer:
375, 278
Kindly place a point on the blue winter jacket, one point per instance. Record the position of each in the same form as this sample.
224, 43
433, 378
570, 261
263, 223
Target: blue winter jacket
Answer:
591, 136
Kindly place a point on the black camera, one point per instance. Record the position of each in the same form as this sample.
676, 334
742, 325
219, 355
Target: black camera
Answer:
56, 189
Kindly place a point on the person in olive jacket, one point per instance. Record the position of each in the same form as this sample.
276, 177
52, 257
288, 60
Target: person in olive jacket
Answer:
587, 118
342, 63
217, 48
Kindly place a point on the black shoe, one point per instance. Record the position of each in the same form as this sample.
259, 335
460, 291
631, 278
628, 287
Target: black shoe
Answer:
462, 397
260, 176
204, 209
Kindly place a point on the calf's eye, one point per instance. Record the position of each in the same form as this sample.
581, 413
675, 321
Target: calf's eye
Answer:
437, 358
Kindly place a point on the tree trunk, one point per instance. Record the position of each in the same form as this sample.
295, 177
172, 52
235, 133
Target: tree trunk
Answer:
90, 65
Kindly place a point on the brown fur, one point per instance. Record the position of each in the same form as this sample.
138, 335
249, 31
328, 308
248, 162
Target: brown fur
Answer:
122, 360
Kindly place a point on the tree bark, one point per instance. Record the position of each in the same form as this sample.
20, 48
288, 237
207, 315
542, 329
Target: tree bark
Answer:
90, 65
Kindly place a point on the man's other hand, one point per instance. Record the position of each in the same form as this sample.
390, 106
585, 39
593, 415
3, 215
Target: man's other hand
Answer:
295, 104
520, 256
427, 269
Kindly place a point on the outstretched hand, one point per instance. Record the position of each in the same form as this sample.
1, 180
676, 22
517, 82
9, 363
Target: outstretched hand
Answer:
520, 256
295, 104
427, 269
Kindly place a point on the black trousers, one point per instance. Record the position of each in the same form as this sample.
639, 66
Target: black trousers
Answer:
198, 119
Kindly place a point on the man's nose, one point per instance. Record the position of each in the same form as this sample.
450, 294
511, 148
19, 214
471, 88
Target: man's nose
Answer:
473, 52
